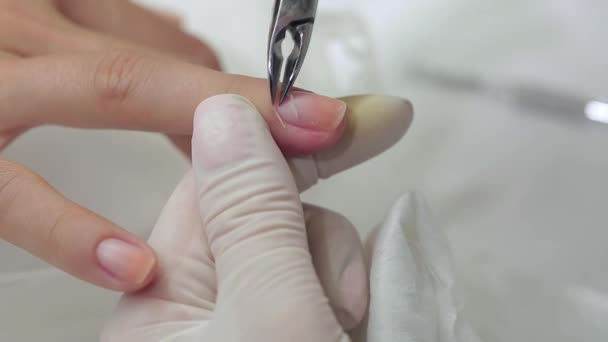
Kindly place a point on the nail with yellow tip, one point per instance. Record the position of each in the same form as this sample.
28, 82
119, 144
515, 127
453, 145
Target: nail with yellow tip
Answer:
374, 124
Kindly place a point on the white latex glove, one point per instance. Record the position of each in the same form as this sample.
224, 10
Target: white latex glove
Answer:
413, 297
235, 261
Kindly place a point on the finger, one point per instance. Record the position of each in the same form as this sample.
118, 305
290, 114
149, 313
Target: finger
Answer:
183, 143
35, 217
337, 254
185, 287
153, 29
128, 21
186, 280
29, 26
170, 16
375, 123
137, 90
8, 135
253, 220
7, 55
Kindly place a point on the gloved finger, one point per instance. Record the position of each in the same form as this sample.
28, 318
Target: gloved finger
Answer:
136, 90
185, 287
37, 218
337, 254
131, 22
375, 123
254, 224
186, 282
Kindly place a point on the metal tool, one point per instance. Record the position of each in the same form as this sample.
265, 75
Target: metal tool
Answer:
296, 17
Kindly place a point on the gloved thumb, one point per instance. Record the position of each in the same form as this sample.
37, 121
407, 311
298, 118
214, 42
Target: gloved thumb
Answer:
253, 219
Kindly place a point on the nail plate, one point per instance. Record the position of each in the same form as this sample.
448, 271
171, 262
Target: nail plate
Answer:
311, 111
124, 260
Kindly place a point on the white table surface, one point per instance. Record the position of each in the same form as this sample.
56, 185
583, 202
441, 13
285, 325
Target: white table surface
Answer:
521, 196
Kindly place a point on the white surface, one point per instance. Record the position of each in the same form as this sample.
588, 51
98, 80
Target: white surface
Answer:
521, 196
410, 259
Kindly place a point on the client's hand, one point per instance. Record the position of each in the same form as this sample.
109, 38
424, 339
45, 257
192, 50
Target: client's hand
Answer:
239, 257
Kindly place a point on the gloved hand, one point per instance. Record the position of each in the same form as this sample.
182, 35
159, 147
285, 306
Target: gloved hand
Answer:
239, 257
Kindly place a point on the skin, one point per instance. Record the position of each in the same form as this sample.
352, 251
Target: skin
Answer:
112, 64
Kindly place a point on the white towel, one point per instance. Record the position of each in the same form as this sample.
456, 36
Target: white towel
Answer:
414, 297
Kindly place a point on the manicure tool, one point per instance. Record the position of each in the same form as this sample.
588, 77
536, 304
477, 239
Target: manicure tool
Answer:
296, 17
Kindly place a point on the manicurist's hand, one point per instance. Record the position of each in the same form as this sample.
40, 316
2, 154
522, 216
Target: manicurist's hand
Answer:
240, 257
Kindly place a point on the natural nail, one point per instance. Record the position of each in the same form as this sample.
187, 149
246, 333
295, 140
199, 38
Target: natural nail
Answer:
125, 261
311, 111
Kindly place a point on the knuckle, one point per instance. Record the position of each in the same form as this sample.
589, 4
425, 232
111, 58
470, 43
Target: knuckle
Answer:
15, 181
118, 74
55, 234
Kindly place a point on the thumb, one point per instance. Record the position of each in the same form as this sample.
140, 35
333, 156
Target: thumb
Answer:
252, 215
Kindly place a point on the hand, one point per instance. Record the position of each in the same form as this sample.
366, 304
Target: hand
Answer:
240, 260
112, 64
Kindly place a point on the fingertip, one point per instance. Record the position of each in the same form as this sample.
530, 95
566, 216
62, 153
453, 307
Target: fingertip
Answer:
129, 264
338, 257
223, 127
379, 116
355, 293
40, 220
375, 124
303, 124
221, 105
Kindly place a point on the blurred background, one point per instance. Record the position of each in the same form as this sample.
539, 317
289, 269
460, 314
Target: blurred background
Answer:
502, 146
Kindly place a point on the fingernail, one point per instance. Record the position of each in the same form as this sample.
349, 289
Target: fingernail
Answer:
125, 261
375, 123
311, 111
